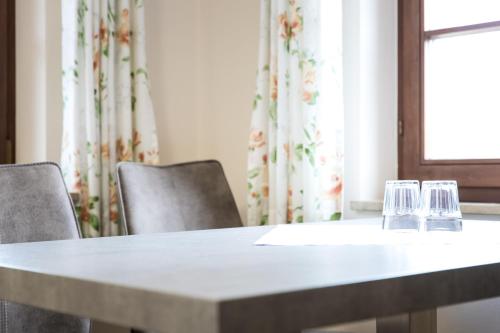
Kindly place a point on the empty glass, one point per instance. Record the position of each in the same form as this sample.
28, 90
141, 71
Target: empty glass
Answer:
439, 206
401, 205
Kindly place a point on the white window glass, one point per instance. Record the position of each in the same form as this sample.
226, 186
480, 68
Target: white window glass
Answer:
462, 97
452, 13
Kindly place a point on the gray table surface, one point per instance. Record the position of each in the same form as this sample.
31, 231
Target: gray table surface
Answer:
218, 281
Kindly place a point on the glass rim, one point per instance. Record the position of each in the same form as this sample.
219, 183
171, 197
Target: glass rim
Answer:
403, 182
440, 182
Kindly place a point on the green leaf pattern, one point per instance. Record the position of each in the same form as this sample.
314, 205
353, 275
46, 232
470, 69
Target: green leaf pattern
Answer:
100, 53
295, 156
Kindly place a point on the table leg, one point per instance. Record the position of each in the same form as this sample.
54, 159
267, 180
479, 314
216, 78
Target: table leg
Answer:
413, 322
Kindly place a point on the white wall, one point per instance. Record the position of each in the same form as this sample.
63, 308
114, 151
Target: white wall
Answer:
38, 81
370, 86
171, 42
202, 60
230, 41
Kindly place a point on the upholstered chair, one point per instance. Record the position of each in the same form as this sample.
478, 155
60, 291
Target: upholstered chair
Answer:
35, 206
188, 196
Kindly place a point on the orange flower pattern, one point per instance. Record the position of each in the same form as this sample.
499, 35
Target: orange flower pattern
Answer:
256, 140
100, 137
124, 27
295, 152
291, 26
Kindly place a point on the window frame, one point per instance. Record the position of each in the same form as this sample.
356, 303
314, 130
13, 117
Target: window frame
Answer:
478, 180
7, 81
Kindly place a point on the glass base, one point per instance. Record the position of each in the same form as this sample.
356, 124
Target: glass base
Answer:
442, 224
401, 222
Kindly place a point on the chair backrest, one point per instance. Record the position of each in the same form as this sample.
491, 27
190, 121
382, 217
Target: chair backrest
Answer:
188, 196
35, 206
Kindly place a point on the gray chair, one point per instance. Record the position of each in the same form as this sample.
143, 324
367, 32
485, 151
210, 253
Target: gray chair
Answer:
188, 196
35, 206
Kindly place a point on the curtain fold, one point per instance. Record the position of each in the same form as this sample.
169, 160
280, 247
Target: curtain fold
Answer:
295, 159
108, 112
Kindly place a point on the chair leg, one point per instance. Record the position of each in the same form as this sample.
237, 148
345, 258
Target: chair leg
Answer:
414, 322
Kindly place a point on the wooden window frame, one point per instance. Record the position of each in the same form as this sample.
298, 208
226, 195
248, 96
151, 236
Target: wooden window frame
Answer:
7, 81
478, 180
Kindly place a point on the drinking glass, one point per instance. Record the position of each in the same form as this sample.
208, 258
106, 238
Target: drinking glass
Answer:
440, 206
401, 202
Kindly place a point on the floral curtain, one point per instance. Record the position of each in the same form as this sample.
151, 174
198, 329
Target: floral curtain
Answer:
295, 162
108, 114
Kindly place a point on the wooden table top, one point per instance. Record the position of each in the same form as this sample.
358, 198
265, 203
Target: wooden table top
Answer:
218, 281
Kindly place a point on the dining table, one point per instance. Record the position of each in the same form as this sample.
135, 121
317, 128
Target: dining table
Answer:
221, 281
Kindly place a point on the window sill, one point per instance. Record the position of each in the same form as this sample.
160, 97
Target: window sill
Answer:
477, 208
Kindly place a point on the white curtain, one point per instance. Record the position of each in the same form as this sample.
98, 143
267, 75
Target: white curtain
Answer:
108, 114
295, 162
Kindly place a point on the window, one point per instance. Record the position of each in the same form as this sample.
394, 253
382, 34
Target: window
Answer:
7, 81
449, 94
